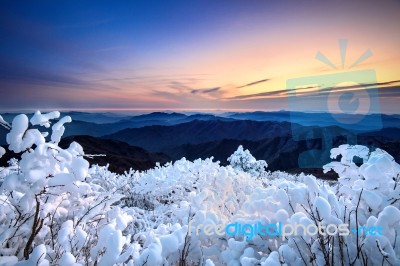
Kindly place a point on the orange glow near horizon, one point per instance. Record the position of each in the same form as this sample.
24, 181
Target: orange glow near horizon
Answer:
212, 63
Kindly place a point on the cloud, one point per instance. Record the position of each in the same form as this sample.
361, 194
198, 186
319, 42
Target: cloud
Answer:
185, 95
306, 92
185, 89
205, 91
25, 76
268, 93
253, 83
21, 72
390, 92
381, 85
180, 87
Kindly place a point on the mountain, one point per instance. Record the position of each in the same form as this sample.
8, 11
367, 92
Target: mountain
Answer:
78, 127
205, 117
159, 138
281, 116
3, 133
98, 118
280, 148
281, 144
98, 124
390, 133
119, 155
101, 124
269, 149
359, 123
281, 153
158, 116
133, 141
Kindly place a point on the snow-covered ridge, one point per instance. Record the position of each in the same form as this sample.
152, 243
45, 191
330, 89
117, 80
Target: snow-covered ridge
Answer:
55, 209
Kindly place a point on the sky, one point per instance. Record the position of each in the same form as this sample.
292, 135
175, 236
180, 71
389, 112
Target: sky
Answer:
200, 55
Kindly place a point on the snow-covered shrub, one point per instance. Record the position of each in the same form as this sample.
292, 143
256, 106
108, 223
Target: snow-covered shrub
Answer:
378, 178
197, 192
56, 210
242, 160
168, 197
49, 212
366, 196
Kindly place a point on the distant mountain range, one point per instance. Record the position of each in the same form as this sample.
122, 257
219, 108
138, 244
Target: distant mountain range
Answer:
119, 155
281, 153
101, 124
98, 124
357, 122
160, 138
142, 140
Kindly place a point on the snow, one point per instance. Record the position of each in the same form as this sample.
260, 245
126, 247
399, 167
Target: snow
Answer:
87, 215
10, 182
58, 129
8, 260
112, 241
322, 208
2, 151
4, 123
64, 234
209, 263
67, 259
19, 127
372, 199
242, 160
151, 255
61, 179
80, 168
37, 257
44, 119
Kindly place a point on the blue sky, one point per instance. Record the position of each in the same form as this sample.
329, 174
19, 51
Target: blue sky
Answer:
197, 55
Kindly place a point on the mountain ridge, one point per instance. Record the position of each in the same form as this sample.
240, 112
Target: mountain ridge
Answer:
156, 138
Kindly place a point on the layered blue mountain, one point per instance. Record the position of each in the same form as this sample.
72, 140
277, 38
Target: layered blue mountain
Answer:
277, 137
356, 122
156, 138
118, 155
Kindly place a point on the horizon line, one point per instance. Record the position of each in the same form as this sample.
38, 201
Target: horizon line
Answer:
151, 110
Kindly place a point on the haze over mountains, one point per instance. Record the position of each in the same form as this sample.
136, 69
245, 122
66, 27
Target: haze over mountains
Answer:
277, 137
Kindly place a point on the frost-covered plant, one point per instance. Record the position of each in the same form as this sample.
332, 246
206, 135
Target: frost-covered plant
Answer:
201, 191
49, 212
378, 177
287, 199
364, 196
242, 160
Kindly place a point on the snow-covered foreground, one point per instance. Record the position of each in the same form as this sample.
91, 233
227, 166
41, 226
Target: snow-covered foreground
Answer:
55, 209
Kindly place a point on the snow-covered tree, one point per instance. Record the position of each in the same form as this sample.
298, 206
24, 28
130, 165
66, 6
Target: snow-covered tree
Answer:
242, 160
49, 213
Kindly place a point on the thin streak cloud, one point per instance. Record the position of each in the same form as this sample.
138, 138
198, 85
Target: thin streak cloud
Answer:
268, 93
253, 83
306, 92
206, 90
